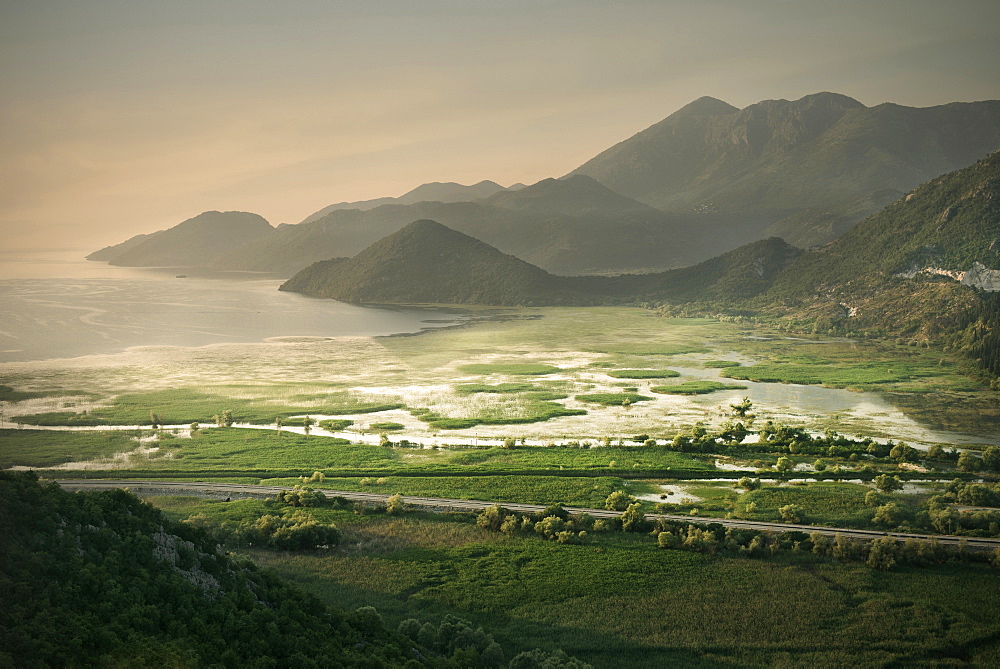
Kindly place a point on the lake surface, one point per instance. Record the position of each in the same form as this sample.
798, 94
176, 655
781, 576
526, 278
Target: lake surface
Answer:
57, 305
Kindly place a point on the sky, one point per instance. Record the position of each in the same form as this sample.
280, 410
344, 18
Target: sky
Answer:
119, 117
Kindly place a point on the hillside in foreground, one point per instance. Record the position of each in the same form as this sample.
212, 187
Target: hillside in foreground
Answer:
102, 579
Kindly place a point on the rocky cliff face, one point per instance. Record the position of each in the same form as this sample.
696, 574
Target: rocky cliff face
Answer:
982, 278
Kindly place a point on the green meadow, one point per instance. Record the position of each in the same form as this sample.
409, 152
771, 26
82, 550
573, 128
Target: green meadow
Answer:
619, 600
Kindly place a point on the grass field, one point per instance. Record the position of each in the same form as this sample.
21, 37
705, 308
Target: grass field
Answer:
620, 601
37, 449
696, 388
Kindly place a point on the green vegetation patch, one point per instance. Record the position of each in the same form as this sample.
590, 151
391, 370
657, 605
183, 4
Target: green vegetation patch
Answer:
556, 458
335, 424
643, 373
500, 388
855, 375
180, 406
387, 425
819, 503
45, 448
249, 449
720, 364
595, 601
9, 394
533, 410
513, 368
574, 491
613, 399
696, 388
648, 348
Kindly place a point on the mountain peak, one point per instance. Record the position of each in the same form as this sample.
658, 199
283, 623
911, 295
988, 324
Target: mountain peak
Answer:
426, 262
706, 106
575, 194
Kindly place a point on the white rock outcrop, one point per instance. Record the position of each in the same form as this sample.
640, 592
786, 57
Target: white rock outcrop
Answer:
982, 278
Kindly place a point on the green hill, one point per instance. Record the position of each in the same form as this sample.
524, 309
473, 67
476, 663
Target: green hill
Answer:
428, 262
194, 242
925, 267
806, 170
102, 579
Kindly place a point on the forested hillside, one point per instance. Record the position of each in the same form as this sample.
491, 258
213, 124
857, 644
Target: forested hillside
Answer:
805, 170
925, 267
104, 579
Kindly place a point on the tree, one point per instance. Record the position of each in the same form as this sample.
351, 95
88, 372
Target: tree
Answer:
743, 408
791, 513
550, 526
154, 420
619, 500
967, 462
633, 519
991, 458
556, 510
195, 428
882, 553
278, 423
784, 464
492, 518
669, 540
902, 452
307, 424
887, 483
888, 514
748, 483
227, 418
509, 443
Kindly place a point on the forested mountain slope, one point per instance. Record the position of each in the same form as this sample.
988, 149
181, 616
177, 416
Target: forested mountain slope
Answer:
927, 266
805, 170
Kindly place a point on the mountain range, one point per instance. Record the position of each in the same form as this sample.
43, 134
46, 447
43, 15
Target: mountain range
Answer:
707, 179
427, 262
927, 266
435, 191
806, 170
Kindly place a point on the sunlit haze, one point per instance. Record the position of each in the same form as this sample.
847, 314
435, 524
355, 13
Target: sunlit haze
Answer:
122, 117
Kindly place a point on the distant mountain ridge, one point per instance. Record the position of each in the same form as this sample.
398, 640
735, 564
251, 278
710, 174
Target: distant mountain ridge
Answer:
427, 262
194, 242
806, 169
707, 179
572, 226
434, 191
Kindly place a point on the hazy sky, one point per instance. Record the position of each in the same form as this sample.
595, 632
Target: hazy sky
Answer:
120, 117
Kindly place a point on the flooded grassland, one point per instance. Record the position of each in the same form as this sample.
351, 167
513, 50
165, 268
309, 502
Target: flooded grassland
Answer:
550, 374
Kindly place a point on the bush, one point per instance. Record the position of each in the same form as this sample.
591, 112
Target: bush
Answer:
619, 500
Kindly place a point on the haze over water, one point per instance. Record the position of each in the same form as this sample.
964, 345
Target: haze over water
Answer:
56, 305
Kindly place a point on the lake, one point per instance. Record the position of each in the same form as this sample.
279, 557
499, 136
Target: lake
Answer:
57, 305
